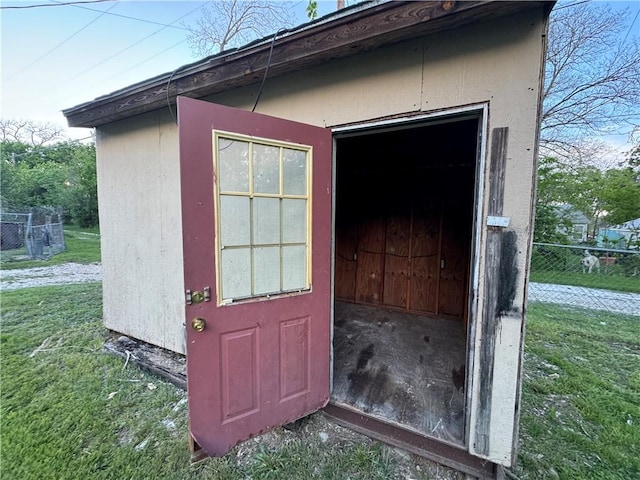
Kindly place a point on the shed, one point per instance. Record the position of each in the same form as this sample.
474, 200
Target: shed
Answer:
359, 243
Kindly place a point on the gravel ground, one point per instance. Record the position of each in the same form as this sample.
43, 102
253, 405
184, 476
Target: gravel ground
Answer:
594, 298
51, 275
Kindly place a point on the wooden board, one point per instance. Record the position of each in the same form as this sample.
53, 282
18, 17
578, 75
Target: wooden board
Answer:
425, 245
370, 262
396, 262
345, 266
417, 263
453, 266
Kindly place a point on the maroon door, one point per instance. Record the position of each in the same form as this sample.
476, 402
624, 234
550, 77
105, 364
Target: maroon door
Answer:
256, 222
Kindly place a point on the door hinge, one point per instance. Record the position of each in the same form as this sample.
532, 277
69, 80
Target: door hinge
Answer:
198, 296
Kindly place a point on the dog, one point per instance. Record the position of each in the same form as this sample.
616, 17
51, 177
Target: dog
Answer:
589, 261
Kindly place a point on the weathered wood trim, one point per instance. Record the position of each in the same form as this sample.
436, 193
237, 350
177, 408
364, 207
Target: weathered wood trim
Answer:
340, 36
410, 441
491, 312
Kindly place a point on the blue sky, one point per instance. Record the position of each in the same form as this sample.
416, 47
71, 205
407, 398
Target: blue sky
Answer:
56, 57
60, 56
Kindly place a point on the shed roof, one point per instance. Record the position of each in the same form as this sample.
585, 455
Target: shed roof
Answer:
348, 32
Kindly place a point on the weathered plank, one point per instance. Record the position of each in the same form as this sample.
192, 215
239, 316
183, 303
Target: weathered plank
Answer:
490, 312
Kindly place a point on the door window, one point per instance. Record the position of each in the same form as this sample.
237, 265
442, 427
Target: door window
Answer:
263, 232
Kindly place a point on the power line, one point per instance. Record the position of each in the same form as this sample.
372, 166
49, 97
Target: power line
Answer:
76, 5
61, 43
59, 4
130, 18
148, 58
133, 44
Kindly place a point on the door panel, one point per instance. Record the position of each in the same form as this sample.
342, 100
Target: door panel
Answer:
251, 367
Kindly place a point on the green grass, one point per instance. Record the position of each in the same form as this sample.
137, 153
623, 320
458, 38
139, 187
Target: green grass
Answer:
69, 410
82, 246
594, 280
581, 395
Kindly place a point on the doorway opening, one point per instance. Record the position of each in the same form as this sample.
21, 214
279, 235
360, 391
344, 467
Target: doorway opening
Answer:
404, 233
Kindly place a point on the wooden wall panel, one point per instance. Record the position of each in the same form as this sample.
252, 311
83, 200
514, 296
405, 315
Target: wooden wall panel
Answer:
423, 292
369, 278
418, 263
345, 266
370, 262
396, 265
454, 258
425, 237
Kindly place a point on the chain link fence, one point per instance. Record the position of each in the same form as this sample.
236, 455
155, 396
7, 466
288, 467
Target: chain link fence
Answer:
37, 234
590, 277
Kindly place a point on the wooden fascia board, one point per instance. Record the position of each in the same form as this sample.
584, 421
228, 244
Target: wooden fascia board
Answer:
383, 24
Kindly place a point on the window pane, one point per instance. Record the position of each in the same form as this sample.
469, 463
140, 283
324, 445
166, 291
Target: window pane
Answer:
266, 221
234, 221
294, 267
236, 273
266, 169
233, 164
294, 221
266, 268
295, 172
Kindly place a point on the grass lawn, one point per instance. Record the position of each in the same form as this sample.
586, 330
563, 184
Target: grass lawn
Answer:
581, 395
82, 246
69, 410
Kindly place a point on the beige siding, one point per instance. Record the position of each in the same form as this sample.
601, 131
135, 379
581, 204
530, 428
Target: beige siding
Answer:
140, 224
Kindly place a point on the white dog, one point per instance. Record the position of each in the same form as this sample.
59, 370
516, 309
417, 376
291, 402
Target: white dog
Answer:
589, 261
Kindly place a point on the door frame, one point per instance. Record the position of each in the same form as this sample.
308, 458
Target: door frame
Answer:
450, 115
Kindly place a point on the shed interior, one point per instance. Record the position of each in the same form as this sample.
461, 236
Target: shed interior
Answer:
404, 225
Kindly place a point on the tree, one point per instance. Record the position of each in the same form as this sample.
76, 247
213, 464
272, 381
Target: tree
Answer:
633, 160
30, 133
611, 196
620, 195
592, 80
312, 9
230, 23
549, 223
83, 198
62, 174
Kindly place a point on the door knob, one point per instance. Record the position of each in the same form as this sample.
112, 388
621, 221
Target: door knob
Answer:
198, 324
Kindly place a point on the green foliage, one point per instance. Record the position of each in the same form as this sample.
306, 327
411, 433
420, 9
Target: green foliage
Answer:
633, 159
83, 201
621, 195
61, 175
551, 185
312, 9
611, 196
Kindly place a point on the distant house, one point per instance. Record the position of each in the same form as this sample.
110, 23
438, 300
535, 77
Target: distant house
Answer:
625, 235
574, 224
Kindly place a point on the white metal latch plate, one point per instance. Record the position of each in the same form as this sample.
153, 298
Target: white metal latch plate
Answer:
498, 221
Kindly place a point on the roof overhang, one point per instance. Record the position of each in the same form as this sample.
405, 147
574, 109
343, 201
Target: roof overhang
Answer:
349, 32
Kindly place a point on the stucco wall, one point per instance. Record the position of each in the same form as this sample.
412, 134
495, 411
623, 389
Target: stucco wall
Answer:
495, 63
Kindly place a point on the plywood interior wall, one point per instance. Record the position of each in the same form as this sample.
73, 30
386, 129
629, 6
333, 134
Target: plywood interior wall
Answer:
404, 218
